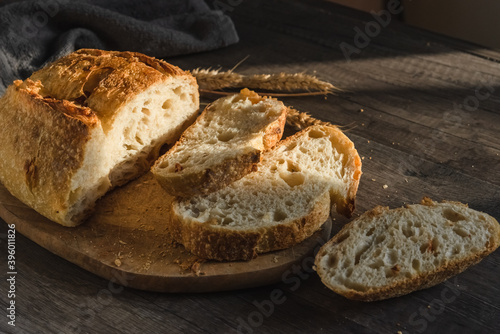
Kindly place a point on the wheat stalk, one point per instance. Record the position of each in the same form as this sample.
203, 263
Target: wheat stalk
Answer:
215, 92
301, 120
211, 81
287, 82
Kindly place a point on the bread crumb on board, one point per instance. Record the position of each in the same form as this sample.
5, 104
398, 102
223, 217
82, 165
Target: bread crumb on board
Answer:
385, 186
118, 262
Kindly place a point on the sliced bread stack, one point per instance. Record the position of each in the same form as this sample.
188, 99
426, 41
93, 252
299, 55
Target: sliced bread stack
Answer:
278, 203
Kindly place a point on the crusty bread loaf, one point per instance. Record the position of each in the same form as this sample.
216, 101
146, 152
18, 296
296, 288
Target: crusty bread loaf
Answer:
223, 145
87, 122
285, 201
387, 253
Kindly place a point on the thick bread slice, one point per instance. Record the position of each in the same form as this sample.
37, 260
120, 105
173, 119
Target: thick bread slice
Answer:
86, 123
280, 205
223, 145
387, 253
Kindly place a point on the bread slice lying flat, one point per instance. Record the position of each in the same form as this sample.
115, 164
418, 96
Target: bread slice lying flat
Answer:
223, 145
278, 206
387, 253
88, 122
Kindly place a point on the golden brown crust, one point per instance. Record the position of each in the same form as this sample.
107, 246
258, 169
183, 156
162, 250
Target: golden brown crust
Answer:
411, 284
49, 118
346, 205
210, 180
211, 241
41, 148
103, 80
188, 184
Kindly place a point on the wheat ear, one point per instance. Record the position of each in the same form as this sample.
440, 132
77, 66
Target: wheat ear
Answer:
301, 120
209, 79
213, 80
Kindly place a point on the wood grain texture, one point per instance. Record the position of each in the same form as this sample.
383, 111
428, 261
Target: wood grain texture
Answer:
412, 138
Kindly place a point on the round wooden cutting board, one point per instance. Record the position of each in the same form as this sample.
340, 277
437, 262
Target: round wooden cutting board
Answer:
127, 241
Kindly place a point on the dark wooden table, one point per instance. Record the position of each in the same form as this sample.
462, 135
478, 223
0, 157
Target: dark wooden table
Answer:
424, 113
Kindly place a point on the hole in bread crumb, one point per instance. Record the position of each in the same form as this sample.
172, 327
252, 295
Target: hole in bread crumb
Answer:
293, 179
389, 272
289, 203
184, 97
370, 231
435, 245
291, 146
359, 252
227, 221
126, 132
147, 102
139, 140
280, 215
461, 232
407, 231
291, 167
195, 212
316, 134
212, 141
146, 111
379, 239
167, 104
452, 215
424, 248
332, 260
226, 136
130, 147
415, 264
178, 90
342, 237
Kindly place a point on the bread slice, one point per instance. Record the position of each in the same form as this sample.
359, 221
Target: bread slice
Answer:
387, 253
278, 206
88, 122
223, 145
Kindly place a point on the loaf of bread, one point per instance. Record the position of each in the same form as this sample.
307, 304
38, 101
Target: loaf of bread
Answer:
223, 145
285, 201
387, 253
88, 122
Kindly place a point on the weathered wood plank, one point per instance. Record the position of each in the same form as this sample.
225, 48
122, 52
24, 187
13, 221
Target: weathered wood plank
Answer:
405, 81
